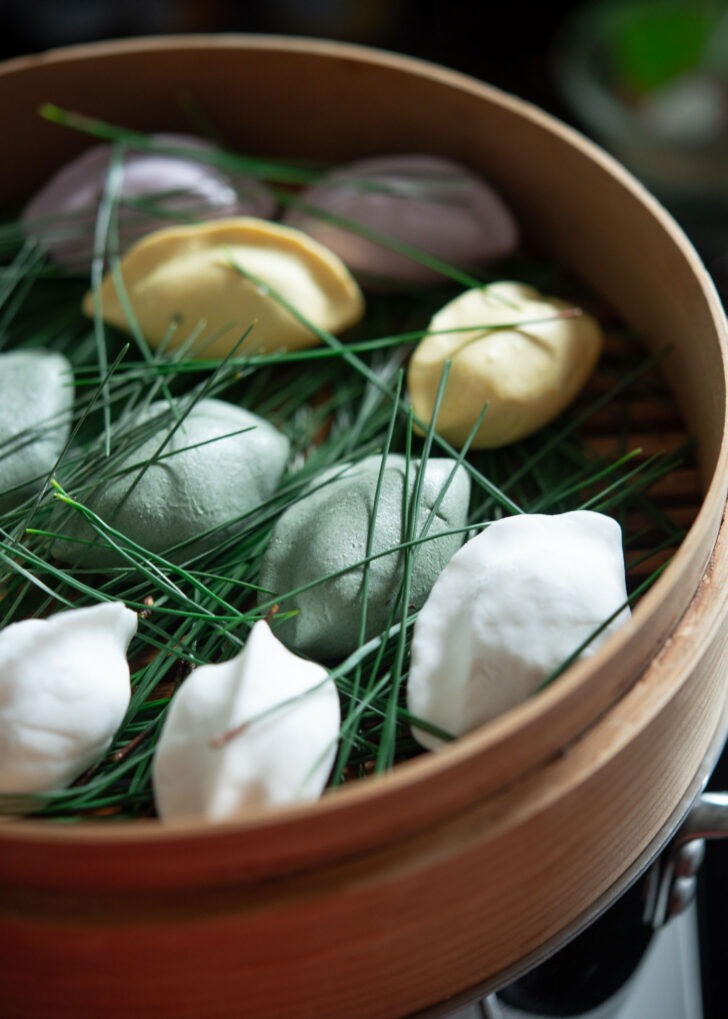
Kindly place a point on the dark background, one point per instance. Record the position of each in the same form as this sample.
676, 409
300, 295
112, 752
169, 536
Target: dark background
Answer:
500, 44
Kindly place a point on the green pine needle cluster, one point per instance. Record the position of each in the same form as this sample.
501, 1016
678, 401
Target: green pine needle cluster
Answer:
337, 403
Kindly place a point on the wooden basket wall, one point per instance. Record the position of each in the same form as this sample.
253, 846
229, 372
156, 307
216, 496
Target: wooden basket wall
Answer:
460, 867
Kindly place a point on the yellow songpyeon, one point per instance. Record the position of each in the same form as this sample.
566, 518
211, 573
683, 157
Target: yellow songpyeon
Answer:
219, 281
524, 355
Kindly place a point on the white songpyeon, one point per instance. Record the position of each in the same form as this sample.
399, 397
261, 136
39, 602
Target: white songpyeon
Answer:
258, 730
512, 605
64, 691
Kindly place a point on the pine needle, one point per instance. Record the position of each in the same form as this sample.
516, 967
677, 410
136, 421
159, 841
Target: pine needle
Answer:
338, 403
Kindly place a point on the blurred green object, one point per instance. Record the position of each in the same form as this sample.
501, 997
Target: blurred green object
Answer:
648, 79
653, 43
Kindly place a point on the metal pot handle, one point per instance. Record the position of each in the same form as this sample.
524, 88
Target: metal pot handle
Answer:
672, 880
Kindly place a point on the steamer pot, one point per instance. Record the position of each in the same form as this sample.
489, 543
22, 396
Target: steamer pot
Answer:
460, 868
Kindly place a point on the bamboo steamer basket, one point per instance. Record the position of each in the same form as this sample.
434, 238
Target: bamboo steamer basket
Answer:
458, 869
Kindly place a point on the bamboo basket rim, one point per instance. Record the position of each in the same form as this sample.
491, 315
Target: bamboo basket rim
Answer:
476, 752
